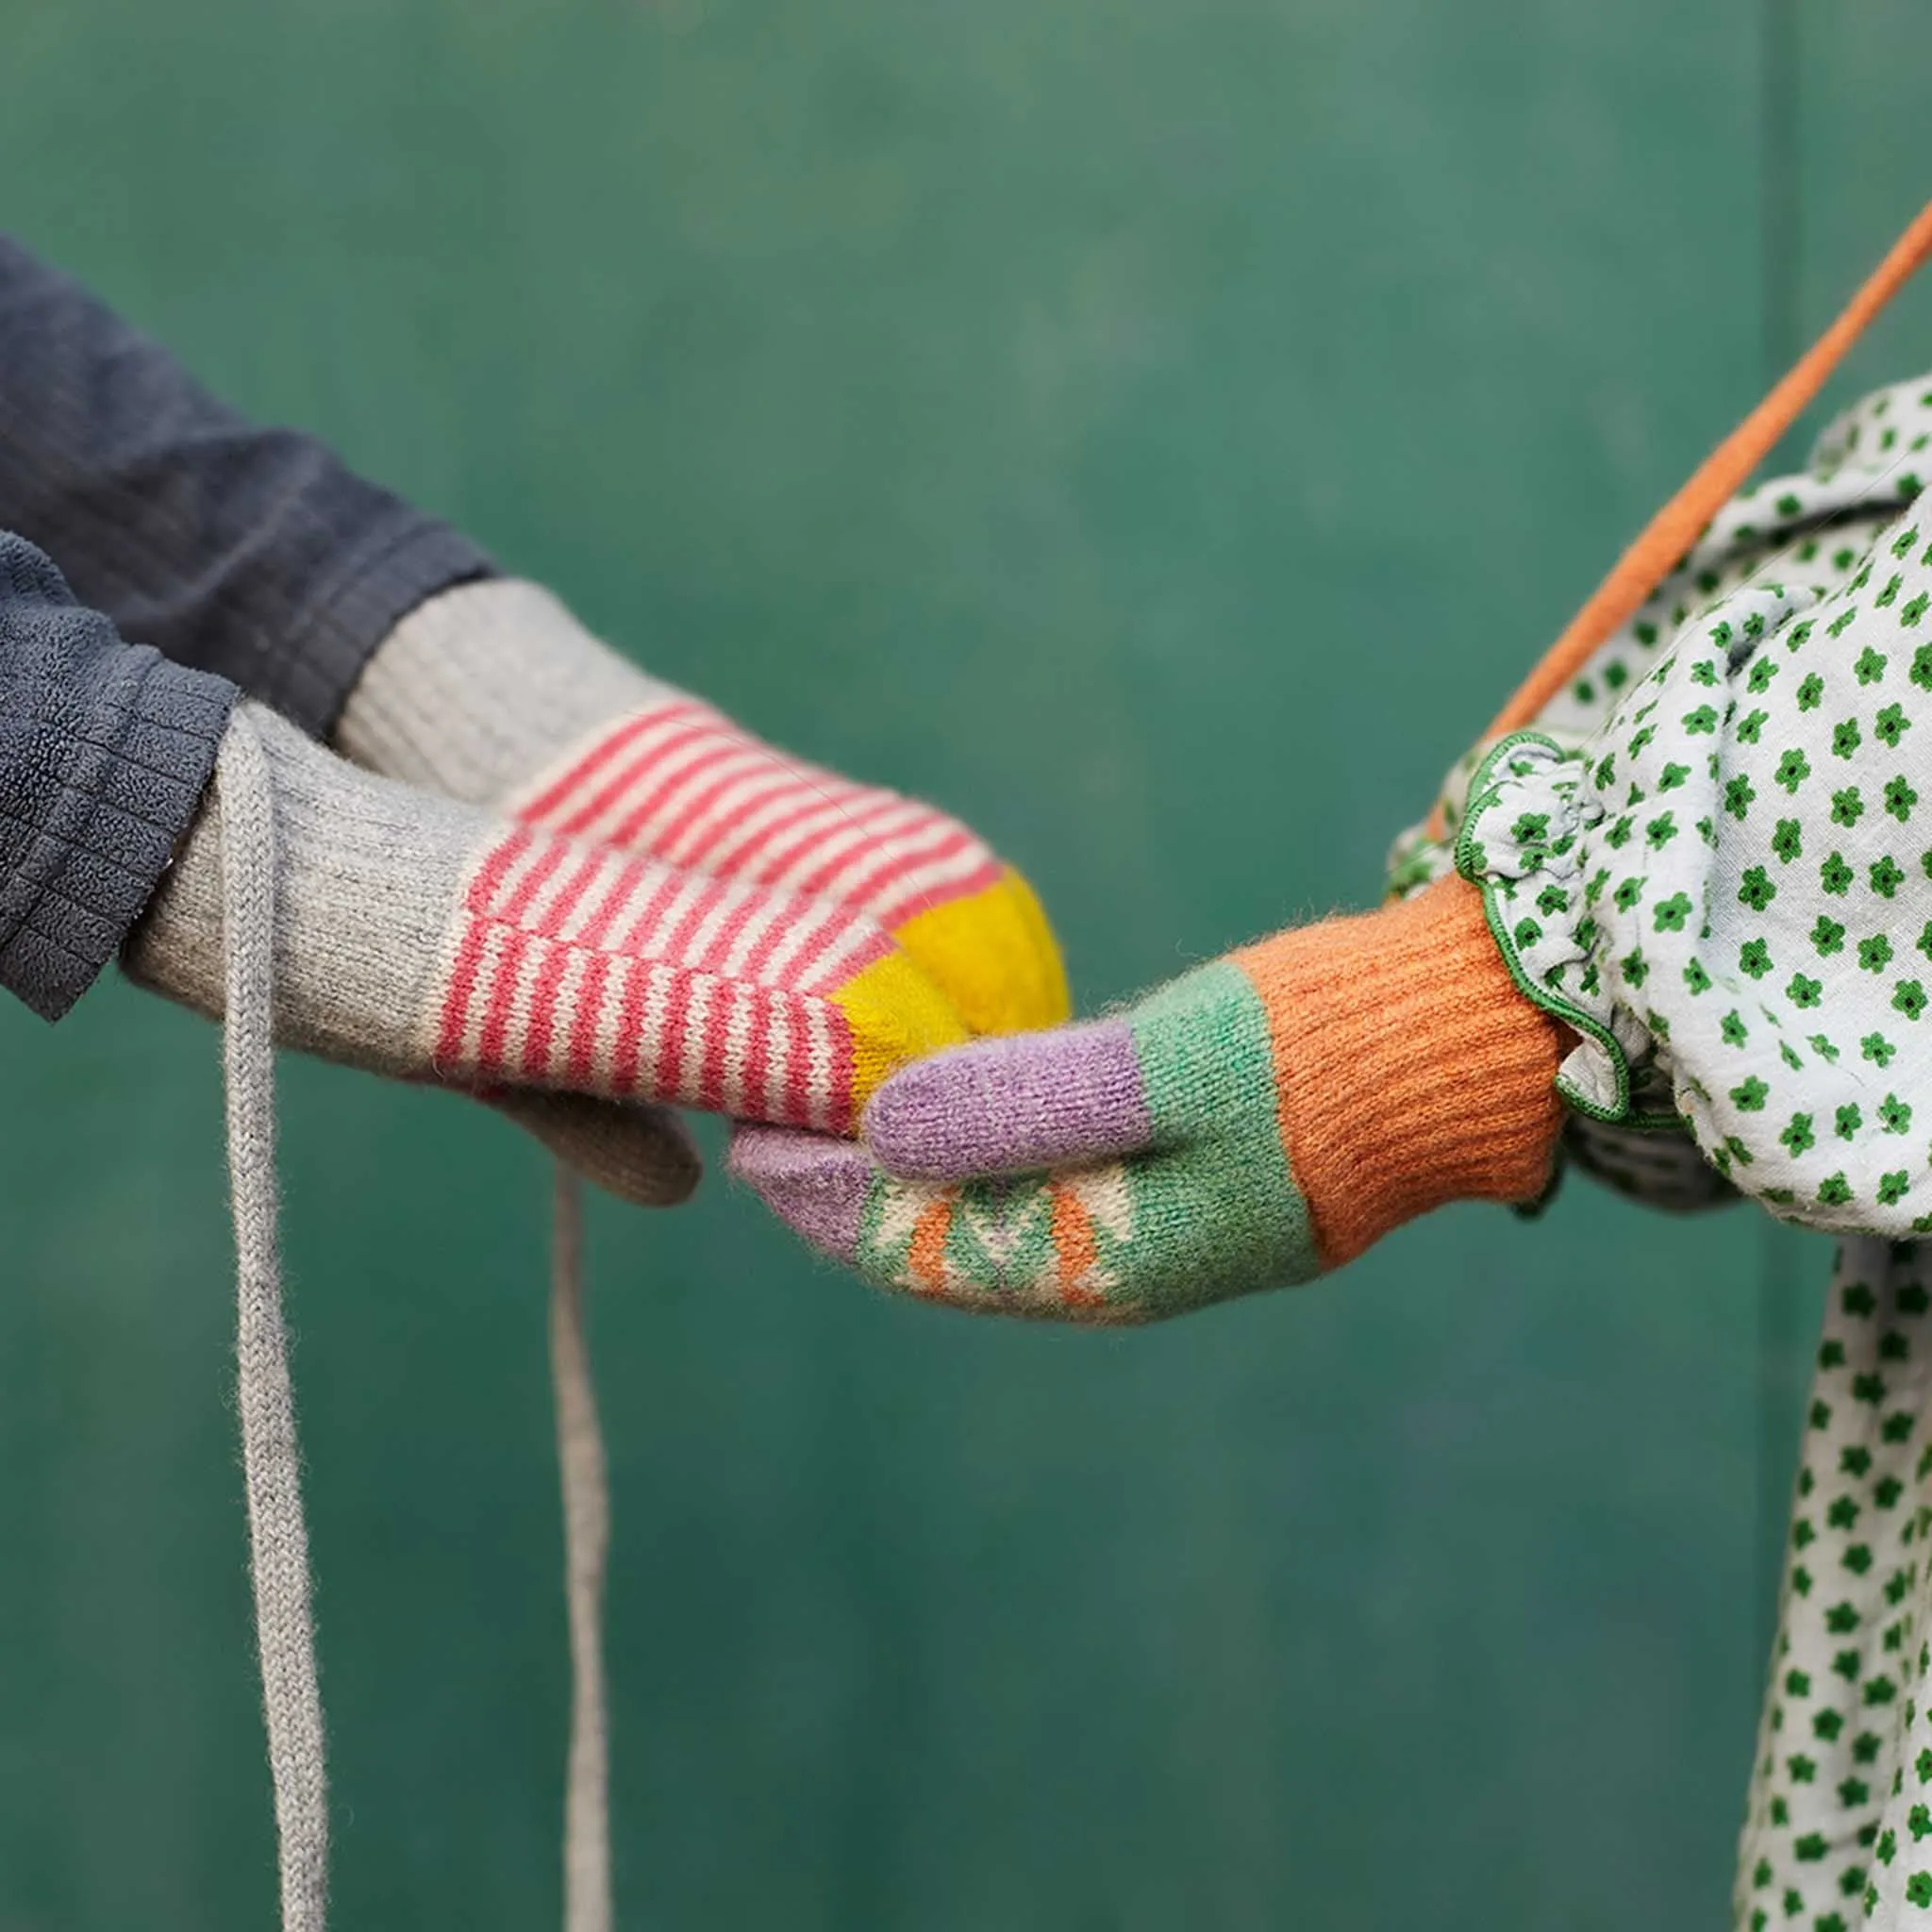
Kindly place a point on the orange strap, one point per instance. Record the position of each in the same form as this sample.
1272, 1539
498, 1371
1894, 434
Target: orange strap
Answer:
1678, 525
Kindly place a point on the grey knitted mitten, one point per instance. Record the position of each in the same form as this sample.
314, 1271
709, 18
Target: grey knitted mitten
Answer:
421, 937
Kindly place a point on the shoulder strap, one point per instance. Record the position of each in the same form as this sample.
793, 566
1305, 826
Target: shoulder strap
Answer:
1678, 525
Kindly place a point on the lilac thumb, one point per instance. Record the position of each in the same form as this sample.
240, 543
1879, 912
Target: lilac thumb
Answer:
1015, 1104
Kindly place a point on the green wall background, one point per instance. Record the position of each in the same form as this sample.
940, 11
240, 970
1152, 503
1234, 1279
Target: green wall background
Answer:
1159, 433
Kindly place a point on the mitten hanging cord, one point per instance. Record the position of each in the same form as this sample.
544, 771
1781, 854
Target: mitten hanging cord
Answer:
1678, 525
271, 1457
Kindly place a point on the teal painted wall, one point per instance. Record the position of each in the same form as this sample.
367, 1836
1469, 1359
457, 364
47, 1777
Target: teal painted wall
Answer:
1160, 434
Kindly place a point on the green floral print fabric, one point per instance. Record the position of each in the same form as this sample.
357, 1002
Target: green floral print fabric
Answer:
1808, 536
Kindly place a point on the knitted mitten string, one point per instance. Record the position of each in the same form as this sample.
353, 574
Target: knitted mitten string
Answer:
1251, 1125
270, 1459
585, 1475
271, 1462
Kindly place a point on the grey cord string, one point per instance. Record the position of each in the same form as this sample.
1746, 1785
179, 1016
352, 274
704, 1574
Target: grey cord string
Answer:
271, 1460
585, 1542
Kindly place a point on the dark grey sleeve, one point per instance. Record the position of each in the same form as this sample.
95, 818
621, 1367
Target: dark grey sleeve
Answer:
252, 553
106, 749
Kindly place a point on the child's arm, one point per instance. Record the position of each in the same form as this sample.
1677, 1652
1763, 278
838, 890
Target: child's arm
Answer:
1255, 1122
1814, 524
1719, 895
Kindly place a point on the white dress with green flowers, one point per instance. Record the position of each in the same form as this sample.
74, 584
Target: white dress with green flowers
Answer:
1712, 858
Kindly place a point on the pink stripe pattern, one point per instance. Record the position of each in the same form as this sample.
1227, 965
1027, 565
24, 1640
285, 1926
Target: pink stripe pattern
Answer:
680, 783
578, 965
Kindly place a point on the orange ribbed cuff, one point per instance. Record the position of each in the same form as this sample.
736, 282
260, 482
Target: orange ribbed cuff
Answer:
1412, 1070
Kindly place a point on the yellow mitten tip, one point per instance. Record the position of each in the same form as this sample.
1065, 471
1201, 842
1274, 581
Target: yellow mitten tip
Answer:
897, 1015
993, 956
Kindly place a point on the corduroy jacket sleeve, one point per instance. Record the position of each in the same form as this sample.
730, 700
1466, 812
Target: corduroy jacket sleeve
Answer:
106, 749
252, 553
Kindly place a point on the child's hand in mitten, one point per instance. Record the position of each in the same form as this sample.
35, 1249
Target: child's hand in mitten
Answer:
1251, 1125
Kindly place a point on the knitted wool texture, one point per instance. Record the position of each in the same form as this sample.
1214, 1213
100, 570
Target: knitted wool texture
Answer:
264, 1396
1364, 1015
1251, 1125
419, 937
493, 693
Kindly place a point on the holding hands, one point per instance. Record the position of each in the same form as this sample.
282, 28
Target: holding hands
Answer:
1251, 1125
510, 861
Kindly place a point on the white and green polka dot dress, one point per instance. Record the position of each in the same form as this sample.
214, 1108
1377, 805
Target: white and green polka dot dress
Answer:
1712, 858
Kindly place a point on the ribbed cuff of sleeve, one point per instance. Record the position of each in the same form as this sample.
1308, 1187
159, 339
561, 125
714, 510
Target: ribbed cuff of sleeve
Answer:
102, 786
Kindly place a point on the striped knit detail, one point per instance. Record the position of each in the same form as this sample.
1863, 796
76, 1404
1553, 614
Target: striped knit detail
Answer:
574, 965
682, 782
